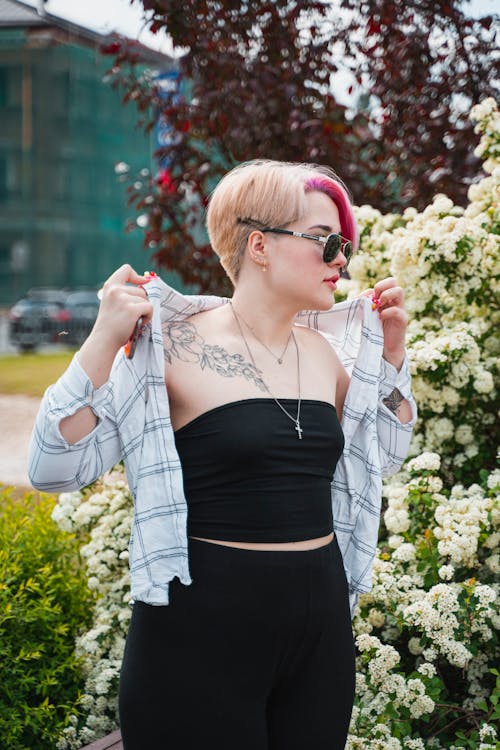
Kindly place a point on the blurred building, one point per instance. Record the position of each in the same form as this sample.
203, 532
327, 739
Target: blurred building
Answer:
62, 130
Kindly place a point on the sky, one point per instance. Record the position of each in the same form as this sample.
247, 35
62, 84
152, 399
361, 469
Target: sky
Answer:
107, 16
127, 18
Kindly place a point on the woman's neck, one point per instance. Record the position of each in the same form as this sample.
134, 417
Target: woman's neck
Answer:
270, 320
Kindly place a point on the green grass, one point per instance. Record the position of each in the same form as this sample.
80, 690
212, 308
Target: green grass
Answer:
31, 374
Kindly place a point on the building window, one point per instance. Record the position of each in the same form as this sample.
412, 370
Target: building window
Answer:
3, 177
61, 174
4, 261
10, 85
10, 176
3, 87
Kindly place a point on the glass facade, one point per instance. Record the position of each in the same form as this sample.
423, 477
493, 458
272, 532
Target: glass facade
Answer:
62, 130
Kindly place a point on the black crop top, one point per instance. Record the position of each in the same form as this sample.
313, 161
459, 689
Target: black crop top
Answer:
248, 477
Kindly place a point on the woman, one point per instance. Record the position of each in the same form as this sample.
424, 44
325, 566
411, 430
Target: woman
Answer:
255, 648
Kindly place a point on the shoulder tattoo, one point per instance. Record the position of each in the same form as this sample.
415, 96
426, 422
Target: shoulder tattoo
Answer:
393, 401
182, 341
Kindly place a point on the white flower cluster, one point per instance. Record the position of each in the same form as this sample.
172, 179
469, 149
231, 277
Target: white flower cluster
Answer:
426, 461
440, 615
104, 515
373, 262
394, 583
488, 123
451, 622
381, 690
378, 738
65, 509
447, 259
476, 670
462, 518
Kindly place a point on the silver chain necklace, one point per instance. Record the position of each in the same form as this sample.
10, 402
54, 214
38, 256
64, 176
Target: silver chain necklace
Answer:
295, 420
279, 359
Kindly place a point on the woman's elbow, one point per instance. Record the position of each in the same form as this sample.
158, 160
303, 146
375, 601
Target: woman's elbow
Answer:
51, 474
52, 483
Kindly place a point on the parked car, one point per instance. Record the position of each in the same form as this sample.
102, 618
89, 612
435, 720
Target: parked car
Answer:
38, 318
83, 306
46, 316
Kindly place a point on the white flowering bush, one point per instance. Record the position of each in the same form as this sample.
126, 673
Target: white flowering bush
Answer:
447, 259
102, 516
427, 632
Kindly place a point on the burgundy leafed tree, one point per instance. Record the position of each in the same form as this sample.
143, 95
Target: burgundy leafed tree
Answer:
256, 81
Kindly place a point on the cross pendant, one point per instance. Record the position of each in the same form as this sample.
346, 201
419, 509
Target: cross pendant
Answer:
299, 430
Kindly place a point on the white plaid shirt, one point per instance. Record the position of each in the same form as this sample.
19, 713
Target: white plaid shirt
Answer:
134, 425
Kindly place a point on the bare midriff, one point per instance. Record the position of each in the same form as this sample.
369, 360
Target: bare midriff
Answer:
275, 546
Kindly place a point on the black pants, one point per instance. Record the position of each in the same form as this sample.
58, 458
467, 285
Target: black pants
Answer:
256, 654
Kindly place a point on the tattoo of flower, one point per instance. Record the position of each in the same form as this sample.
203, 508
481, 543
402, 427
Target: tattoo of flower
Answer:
393, 400
182, 341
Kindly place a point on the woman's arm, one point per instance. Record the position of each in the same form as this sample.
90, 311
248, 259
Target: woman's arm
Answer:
396, 415
342, 385
56, 464
394, 399
75, 438
396, 409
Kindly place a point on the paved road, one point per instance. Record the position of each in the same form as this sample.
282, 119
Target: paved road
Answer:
17, 416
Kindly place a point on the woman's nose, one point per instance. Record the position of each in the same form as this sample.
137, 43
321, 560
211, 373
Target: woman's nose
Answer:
339, 260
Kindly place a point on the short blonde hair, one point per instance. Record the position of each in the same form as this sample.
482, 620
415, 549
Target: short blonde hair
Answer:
273, 194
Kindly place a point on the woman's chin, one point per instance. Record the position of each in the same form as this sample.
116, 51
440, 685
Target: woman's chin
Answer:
324, 302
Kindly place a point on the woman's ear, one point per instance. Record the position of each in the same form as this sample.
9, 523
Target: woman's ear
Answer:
257, 249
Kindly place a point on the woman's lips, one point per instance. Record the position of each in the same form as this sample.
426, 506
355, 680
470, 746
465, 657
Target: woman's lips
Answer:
332, 281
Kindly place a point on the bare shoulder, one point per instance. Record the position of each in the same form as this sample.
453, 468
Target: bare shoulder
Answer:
193, 329
201, 339
327, 360
206, 322
318, 344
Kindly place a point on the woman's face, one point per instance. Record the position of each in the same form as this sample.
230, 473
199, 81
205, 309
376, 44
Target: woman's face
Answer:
296, 268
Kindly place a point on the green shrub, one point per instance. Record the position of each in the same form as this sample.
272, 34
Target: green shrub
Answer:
44, 604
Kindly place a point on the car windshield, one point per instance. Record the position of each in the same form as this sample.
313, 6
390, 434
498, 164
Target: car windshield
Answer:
46, 295
82, 298
36, 304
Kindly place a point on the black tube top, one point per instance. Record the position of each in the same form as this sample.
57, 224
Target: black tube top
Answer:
248, 477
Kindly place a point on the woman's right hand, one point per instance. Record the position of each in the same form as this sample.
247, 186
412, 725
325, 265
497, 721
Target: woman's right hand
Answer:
123, 302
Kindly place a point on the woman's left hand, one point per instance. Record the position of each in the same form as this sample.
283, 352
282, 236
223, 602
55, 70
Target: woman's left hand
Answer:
389, 299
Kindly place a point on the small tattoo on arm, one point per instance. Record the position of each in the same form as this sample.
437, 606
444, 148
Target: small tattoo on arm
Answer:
393, 401
182, 341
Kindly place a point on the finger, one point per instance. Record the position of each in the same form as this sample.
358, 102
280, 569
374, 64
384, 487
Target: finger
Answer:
384, 284
365, 293
118, 295
393, 296
394, 314
144, 310
136, 291
125, 274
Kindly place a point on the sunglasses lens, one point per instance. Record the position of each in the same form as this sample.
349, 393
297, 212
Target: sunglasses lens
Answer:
347, 250
332, 247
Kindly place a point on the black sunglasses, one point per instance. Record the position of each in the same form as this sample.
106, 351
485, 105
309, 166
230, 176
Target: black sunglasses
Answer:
332, 243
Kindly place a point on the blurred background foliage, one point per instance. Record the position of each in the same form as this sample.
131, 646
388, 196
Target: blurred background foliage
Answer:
255, 81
